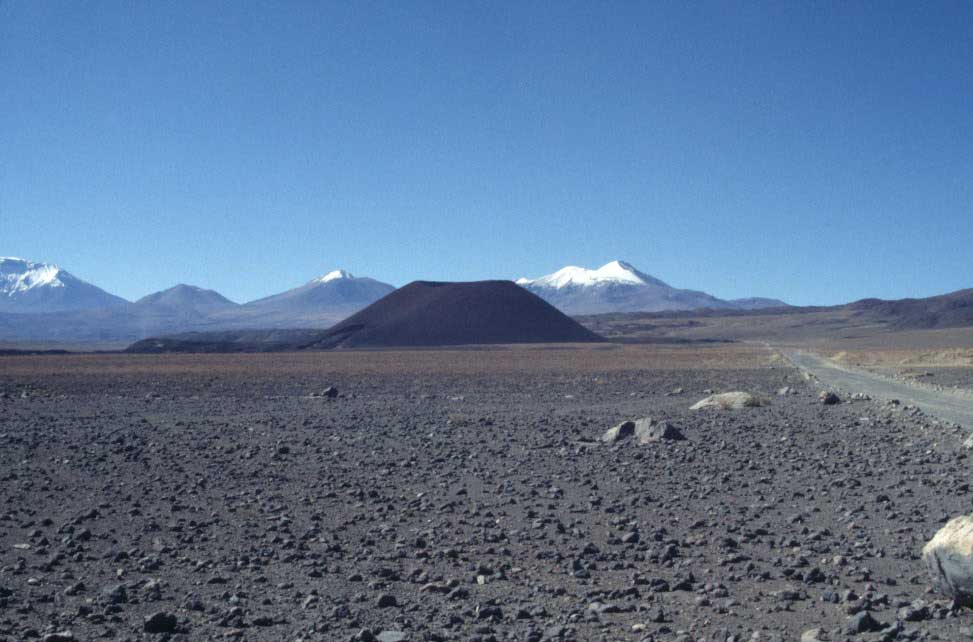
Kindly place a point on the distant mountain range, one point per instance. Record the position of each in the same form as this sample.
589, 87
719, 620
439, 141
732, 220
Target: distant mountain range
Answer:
619, 287
43, 302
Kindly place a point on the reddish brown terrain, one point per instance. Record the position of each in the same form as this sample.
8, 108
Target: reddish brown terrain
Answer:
462, 495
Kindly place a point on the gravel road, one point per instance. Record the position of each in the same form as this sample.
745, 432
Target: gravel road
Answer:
956, 407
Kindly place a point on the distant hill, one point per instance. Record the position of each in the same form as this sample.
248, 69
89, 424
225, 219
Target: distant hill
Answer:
186, 298
619, 287
865, 318
758, 303
29, 287
951, 310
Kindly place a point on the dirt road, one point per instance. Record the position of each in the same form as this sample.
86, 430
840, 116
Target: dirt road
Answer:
950, 406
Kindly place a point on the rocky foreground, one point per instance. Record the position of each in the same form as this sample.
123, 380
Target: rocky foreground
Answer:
253, 505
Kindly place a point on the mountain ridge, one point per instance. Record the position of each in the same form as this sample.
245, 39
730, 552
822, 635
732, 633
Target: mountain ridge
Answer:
41, 301
618, 286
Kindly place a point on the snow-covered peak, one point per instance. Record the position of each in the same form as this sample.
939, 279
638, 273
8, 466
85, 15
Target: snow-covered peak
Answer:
335, 274
615, 272
20, 275
619, 271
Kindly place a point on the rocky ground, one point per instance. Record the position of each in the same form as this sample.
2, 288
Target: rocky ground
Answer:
462, 496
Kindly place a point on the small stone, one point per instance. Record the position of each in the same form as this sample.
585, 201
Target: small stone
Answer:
386, 600
115, 594
814, 635
915, 612
862, 623
829, 398
160, 622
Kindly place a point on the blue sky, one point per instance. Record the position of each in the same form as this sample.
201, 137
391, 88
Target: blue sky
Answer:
817, 152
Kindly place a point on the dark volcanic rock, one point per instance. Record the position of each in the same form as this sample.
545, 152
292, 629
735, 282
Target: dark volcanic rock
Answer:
160, 622
829, 398
862, 623
426, 313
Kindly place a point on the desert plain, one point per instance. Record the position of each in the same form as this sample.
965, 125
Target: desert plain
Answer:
466, 494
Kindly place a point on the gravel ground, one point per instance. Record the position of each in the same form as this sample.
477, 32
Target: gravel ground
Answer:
451, 503
941, 377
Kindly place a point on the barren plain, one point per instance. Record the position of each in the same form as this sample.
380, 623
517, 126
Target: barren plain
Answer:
463, 495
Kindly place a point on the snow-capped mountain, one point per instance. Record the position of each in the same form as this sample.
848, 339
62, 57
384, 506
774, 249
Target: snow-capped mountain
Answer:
26, 286
337, 289
616, 272
319, 303
619, 287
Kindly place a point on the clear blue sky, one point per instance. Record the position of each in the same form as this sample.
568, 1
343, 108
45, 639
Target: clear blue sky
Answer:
818, 152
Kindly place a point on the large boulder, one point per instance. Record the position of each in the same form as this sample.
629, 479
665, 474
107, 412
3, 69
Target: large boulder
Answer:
648, 430
949, 559
730, 401
645, 431
619, 432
